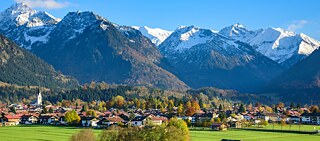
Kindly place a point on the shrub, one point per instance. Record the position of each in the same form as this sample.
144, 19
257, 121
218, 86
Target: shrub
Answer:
83, 135
155, 133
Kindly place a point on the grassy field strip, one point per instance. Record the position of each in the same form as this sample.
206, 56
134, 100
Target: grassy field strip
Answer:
49, 133
250, 136
292, 127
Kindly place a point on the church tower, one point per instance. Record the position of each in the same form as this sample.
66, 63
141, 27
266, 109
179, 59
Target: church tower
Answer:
39, 98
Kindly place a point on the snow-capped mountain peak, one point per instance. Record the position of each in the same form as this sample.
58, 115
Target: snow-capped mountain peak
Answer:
156, 35
185, 37
75, 23
307, 45
234, 31
25, 25
280, 45
21, 14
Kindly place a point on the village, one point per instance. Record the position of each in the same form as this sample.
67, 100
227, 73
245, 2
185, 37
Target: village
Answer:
215, 118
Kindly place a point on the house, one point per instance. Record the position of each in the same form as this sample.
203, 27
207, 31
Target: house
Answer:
260, 115
236, 124
201, 117
185, 118
62, 120
12, 120
158, 120
124, 116
272, 117
28, 119
89, 121
47, 119
3, 120
310, 118
139, 121
63, 110
218, 126
248, 116
107, 122
152, 119
294, 119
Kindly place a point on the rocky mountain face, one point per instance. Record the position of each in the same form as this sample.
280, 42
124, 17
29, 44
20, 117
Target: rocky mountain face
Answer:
20, 67
303, 75
202, 57
300, 83
284, 47
91, 48
26, 26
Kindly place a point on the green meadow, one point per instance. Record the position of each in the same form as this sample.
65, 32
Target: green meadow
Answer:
51, 133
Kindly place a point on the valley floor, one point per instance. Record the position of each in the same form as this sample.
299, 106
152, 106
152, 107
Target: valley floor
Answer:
51, 133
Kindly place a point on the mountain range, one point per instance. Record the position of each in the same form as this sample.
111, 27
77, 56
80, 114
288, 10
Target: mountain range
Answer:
203, 57
89, 47
284, 47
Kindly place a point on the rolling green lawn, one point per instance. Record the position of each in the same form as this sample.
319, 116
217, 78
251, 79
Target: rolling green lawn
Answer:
292, 127
250, 136
48, 133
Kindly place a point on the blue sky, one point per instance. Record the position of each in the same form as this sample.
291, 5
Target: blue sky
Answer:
297, 15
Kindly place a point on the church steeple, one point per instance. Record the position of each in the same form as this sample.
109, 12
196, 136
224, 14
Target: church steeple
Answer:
39, 97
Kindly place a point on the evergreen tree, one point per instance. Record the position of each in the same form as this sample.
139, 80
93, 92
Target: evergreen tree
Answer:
242, 109
50, 110
44, 110
298, 106
201, 103
13, 110
220, 108
275, 109
292, 105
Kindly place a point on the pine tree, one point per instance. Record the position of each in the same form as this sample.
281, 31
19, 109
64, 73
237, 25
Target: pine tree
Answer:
242, 109
292, 105
220, 108
50, 110
298, 106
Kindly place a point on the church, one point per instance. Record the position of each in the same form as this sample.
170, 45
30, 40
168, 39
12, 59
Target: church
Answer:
38, 101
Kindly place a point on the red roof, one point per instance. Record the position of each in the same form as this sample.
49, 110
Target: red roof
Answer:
115, 119
13, 116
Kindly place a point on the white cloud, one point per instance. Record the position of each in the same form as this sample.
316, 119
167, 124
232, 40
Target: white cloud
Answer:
46, 4
296, 25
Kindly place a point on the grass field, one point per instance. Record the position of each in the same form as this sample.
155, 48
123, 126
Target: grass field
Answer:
48, 133
292, 127
250, 136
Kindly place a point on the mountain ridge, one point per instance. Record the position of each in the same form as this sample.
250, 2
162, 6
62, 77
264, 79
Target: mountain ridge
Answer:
20, 67
203, 57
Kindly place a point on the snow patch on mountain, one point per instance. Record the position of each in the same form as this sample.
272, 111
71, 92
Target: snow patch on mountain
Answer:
307, 45
77, 23
34, 39
156, 35
191, 37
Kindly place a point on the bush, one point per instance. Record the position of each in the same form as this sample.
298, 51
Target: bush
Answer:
72, 117
180, 124
155, 133
83, 135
